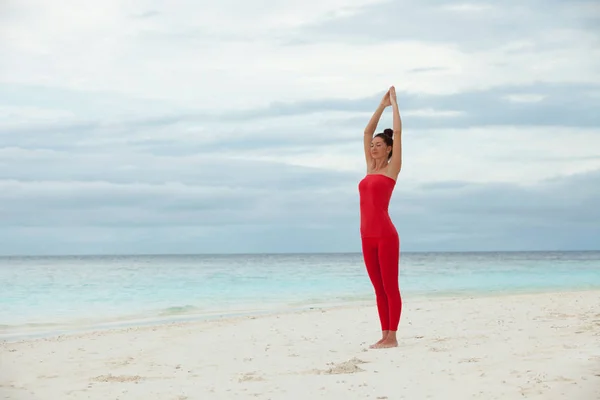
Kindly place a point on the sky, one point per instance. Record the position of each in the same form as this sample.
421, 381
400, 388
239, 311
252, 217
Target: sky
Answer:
139, 126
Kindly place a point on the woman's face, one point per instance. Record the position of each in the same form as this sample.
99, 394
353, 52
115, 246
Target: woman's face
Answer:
379, 149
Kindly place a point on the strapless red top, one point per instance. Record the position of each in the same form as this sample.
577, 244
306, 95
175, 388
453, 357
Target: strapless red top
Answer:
375, 193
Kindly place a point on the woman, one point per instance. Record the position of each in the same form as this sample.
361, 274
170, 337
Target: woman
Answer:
380, 241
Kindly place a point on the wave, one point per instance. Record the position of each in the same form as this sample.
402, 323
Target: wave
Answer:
179, 310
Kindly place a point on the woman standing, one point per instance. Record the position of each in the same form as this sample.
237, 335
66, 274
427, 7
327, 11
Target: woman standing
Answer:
380, 240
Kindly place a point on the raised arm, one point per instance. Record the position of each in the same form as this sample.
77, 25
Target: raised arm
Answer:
372, 125
396, 160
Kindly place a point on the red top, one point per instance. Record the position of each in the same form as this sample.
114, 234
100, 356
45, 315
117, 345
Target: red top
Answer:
375, 193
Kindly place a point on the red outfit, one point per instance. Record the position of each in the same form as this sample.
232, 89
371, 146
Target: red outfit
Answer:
381, 246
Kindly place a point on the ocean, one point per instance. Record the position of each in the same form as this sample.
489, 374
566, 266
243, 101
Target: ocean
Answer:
53, 295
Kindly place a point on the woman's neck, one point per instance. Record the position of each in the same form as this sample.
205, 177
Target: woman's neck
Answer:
380, 165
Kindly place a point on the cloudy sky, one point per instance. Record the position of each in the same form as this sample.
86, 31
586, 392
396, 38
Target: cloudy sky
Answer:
133, 126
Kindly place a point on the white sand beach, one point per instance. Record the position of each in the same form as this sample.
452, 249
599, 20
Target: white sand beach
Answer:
532, 346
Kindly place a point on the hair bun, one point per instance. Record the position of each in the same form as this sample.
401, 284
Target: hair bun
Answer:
388, 132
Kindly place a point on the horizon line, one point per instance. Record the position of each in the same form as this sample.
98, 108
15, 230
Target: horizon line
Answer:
289, 253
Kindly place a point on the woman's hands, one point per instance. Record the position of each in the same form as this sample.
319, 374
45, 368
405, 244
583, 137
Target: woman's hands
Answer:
392, 96
389, 98
385, 100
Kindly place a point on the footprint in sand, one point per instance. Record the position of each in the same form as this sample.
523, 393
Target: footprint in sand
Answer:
118, 378
438, 349
561, 378
120, 362
470, 360
346, 367
250, 377
47, 376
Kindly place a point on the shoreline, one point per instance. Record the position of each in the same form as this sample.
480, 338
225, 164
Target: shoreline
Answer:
22, 333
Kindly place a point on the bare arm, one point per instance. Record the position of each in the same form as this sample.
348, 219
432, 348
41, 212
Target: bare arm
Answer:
370, 130
372, 126
396, 161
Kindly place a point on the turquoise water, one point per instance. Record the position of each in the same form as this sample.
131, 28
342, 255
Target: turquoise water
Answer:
47, 293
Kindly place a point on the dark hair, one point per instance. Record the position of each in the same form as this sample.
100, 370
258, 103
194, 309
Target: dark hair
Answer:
386, 135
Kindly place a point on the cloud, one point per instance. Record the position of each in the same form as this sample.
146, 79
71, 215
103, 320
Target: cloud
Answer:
471, 26
216, 57
533, 104
222, 127
449, 215
553, 214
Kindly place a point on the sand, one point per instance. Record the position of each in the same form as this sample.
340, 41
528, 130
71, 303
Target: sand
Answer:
528, 346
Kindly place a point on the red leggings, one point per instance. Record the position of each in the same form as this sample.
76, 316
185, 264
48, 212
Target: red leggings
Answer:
382, 257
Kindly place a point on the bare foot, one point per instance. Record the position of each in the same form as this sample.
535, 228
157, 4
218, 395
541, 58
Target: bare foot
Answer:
385, 344
384, 336
374, 345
